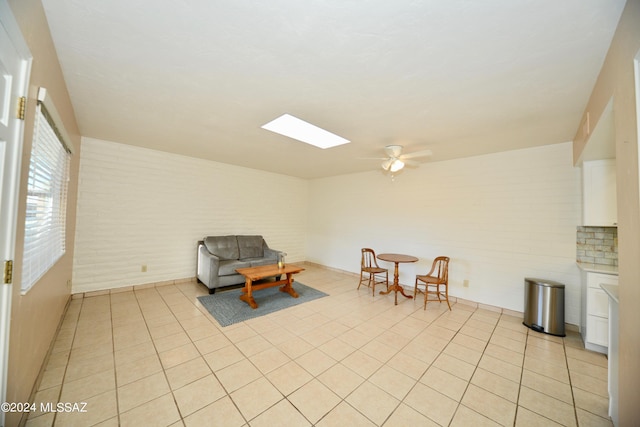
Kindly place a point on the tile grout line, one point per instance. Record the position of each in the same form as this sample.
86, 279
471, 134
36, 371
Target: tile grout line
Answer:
164, 370
286, 397
385, 364
432, 322
538, 391
459, 403
316, 377
573, 397
113, 350
524, 357
75, 331
227, 393
428, 367
529, 344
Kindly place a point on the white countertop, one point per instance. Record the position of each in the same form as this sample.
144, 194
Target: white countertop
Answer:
598, 268
611, 291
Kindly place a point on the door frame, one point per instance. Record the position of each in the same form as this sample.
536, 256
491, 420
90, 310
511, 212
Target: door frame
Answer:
636, 72
11, 186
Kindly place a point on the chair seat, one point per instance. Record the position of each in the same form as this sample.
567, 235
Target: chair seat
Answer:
374, 270
430, 279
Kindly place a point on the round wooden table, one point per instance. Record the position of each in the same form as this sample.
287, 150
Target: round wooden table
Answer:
397, 259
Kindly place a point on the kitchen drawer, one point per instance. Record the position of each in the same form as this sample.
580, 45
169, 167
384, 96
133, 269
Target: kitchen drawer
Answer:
597, 303
597, 330
594, 279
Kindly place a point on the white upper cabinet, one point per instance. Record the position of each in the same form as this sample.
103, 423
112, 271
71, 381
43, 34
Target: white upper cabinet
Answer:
599, 193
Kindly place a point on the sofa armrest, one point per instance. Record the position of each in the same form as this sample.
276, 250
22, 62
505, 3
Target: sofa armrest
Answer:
208, 266
271, 254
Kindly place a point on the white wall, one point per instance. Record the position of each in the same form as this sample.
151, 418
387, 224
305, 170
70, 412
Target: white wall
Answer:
138, 206
500, 217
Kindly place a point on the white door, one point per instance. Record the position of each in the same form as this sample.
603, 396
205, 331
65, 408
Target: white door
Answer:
15, 63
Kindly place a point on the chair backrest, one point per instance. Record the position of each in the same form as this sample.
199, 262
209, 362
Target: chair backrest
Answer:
368, 258
440, 268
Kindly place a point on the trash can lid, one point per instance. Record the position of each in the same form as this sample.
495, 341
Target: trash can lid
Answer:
543, 282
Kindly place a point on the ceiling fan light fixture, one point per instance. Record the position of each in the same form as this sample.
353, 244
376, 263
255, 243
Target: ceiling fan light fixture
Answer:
393, 150
396, 165
392, 165
397, 160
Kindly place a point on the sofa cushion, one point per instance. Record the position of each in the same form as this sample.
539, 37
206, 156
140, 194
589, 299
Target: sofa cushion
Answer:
250, 247
224, 247
228, 267
259, 261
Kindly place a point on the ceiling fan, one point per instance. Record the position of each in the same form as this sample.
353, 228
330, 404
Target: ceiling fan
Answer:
396, 160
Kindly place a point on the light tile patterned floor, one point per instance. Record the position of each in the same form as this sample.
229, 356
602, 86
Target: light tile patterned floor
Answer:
156, 357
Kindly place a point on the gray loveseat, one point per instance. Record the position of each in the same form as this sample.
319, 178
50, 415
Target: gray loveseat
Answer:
219, 256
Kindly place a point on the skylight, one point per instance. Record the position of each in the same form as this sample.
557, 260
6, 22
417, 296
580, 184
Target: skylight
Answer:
300, 130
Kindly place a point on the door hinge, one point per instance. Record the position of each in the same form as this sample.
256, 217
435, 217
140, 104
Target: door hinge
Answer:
22, 107
8, 272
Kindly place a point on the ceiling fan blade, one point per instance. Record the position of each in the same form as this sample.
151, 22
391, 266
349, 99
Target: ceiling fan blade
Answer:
387, 164
411, 163
423, 153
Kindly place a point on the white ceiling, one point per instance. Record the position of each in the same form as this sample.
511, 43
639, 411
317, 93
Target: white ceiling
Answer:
461, 77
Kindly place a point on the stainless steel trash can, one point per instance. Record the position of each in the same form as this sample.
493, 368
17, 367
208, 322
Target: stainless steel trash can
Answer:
544, 306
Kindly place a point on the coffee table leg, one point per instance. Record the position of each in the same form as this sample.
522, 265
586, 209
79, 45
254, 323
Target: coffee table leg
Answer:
287, 286
246, 294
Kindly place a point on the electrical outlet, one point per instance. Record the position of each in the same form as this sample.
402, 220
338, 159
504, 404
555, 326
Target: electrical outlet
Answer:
465, 283
144, 268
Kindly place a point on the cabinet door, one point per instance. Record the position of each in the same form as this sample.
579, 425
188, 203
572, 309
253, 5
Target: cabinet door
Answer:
598, 330
597, 303
599, 193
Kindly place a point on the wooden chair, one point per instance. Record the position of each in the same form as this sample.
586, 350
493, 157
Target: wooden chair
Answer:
369, 271
436, 278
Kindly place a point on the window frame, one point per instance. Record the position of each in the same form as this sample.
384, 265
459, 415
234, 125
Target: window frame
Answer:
47, 188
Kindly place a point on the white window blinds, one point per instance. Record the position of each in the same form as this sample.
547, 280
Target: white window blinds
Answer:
45, 223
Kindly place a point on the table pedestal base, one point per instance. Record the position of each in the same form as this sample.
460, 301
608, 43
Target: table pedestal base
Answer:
396, 286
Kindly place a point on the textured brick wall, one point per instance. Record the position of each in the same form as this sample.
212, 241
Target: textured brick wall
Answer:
144, 207
500, 217
598, 245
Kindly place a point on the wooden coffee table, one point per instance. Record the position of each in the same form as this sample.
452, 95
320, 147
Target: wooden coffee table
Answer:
253, 274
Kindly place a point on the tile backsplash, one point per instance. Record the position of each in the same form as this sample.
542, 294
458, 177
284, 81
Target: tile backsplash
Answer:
598, 245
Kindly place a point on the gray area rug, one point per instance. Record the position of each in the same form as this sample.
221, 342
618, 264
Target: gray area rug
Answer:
227, 308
